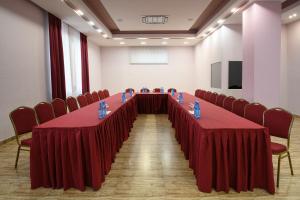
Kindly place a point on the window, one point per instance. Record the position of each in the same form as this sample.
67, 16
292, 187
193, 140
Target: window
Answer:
72, 60
148, 55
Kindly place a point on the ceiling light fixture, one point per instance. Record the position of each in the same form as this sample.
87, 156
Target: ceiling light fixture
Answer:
190, 38
91, 23
143, 43
234, 10
141, 38
154, 19
166, 38
122, 43
99, 30
221, 21
118, 38
78, 12
185, 42
293, 15
164, 43
105, 35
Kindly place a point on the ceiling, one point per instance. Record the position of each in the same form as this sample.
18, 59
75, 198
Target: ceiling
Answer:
127, 13
120, 20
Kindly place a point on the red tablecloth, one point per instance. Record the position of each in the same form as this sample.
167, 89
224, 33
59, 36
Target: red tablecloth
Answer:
223, 149
77, 149
152, 103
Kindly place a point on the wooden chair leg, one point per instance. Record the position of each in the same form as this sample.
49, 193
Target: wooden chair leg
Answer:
278, 170
290, 162
17, 158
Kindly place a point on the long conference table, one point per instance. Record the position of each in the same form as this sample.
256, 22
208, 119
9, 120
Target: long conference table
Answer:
224, 150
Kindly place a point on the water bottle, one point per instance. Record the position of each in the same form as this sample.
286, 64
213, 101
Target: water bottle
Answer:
104, 108
197, 109
172, 92
162, 90
101, 111
180, 98
123, 97
130, 93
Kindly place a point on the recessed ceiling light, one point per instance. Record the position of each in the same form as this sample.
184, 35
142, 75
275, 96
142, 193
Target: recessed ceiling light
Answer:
190, 38
211, 29
91, 23
143, 43
185, 42
166, 38
141, 38
105, 35
164, 43
118, 38
293, 15
234, 10
99, 30
79, 12
122, 43
221, 21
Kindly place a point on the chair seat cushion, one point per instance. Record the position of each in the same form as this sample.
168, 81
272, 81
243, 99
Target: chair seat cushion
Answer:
277, 148
26, 142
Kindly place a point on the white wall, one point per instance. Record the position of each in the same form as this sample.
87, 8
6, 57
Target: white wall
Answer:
290, 69
94, 66
223, 45
23, 60
118, 74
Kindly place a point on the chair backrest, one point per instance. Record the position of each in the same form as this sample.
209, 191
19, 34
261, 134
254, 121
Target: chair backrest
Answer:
156, 90
23, 120
279, 122
227, 103
95, 96
197, 92
89, 98
238, 107
255, 112
213, 98
44, 112
82, 101
220, 100
106, 93
59, 107
170, 90
202, 94
129, 89
145, 90
101, 94
207, 95
72, 104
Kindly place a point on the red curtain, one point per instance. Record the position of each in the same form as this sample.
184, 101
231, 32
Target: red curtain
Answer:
57, 58
84, 64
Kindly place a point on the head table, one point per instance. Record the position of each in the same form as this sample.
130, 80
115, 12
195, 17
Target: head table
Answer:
224, 150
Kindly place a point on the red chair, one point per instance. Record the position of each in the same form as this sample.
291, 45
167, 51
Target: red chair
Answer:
95, 96
101, 94
144, 90
197, 93
202, 94
220, 100
213, 98
255, 112
228, 101
44, 112
89, 98
23, 120
279, 123
156, 90
129, 89
59, 107
238, 107
170, 90
207, 96
106, 93
72, 104
82, 101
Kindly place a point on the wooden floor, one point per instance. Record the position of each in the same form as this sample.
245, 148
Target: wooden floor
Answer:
150, 165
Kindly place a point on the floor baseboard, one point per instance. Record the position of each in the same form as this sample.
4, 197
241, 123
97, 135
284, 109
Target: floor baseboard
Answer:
7, 140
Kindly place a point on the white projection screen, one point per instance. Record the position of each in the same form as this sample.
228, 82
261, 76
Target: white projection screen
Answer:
216, 78
148, 55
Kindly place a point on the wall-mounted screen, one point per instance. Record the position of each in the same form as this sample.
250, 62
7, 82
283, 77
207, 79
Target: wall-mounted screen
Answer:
235, 74
148, 55
216, 78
